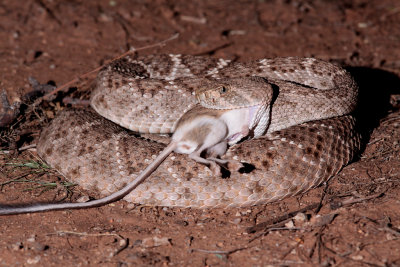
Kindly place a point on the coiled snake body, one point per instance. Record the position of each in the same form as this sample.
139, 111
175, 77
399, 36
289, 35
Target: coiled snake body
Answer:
310, 135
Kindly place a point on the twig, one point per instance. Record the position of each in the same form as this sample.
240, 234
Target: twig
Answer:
15, 180
49, 11
267, 230
338, 204
28, 147
320, 204
345, 255
66, 85
123, 245
227, 253
390, 230
317, 244
76, 102
201, 20
213, 50
263, 225
210, 251
291, 248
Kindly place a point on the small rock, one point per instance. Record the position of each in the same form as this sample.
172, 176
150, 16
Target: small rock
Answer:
236, 220
155, 241
131, 206
220, 244
83, 199
357, 257
289, 224
122, 242
300, 217
34, 260
31, 239
38, 246
17, 246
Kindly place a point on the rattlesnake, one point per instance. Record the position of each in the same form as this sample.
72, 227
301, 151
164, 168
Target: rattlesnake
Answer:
310, 135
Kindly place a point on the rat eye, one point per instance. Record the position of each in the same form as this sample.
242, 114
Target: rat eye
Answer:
224, 89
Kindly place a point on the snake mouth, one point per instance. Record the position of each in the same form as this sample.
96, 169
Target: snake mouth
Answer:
213, 100
218, 106
259, 119
241, 122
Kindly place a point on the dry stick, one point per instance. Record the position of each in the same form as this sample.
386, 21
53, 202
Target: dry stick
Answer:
123, 245
317, 244
32, 146
338, 204
227, 253
213, 50
263, 225
64, 86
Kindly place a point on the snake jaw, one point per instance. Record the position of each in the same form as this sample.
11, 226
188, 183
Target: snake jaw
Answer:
241, 121
260, 118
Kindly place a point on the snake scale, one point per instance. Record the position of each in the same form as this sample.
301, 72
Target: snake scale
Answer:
310, 136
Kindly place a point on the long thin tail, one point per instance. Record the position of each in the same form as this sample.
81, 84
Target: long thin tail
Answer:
98, 202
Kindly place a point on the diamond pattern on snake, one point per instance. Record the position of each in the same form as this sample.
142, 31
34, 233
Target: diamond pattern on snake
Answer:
290, 119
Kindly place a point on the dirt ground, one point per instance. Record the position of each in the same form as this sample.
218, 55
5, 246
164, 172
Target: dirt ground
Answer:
352, 221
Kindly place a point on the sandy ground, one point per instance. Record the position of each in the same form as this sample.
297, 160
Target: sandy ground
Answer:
352, 221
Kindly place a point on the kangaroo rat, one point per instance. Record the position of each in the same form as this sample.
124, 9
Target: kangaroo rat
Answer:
198, 130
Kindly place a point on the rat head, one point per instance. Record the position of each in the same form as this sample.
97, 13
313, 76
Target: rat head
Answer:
234, 93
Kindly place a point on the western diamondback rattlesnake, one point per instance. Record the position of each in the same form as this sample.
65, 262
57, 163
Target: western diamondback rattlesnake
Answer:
309, 137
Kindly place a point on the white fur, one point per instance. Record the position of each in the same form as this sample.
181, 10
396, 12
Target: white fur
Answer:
182, 138
238, 122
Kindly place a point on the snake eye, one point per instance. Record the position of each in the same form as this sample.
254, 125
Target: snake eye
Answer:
224, 89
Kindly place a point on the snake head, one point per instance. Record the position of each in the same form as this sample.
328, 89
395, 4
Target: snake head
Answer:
234, 93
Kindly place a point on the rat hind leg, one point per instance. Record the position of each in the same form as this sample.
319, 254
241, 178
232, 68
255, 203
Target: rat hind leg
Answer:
216, 151
214, 167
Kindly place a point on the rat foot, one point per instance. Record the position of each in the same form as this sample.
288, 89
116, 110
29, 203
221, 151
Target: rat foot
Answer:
229, 163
